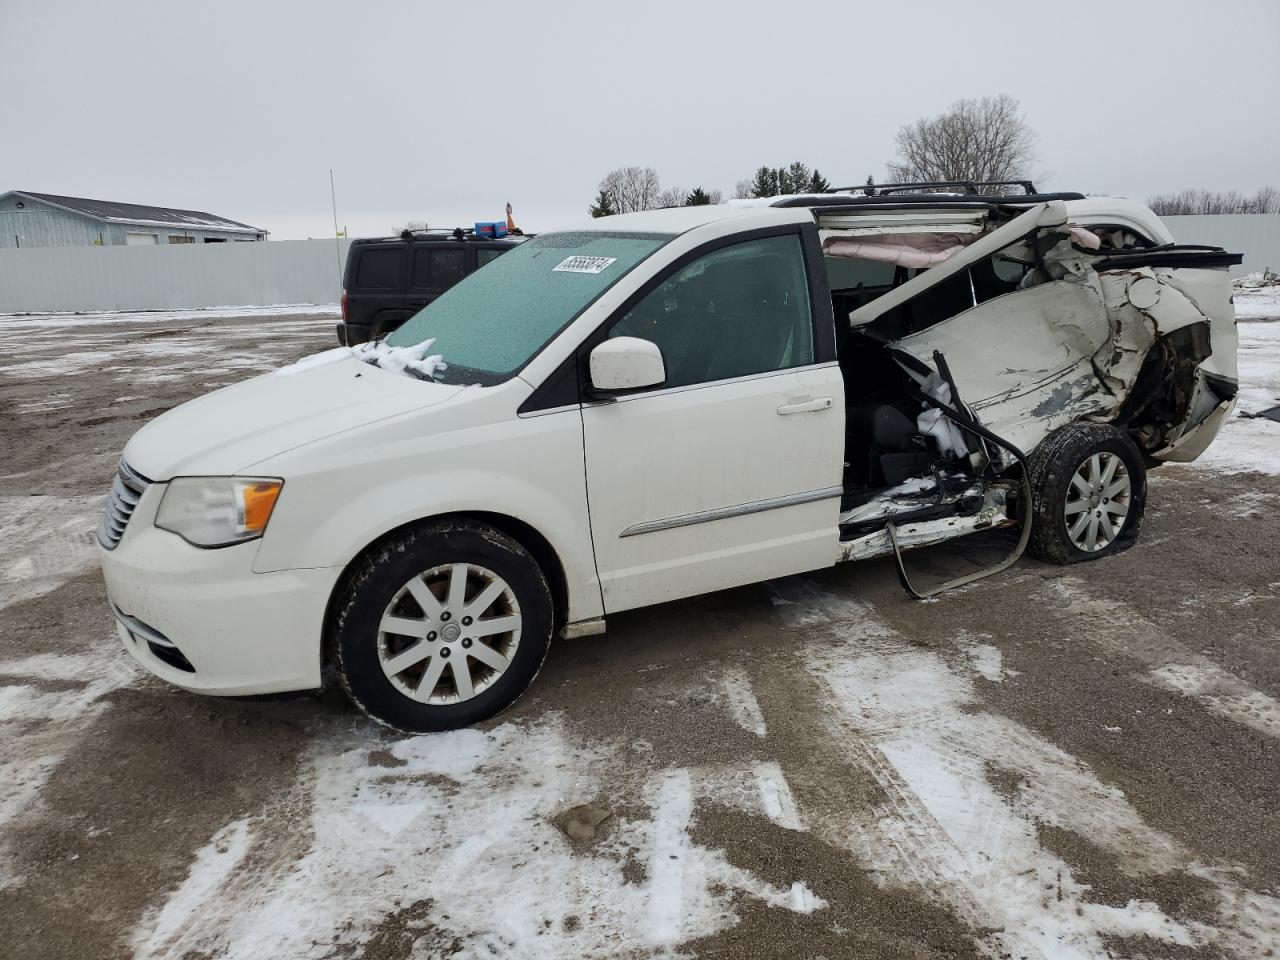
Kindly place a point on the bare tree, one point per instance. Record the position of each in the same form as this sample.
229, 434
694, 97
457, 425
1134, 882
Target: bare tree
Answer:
1266, 200
673, 197
744, 190
631, 188
980, 140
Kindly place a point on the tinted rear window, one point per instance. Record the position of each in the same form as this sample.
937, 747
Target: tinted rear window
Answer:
438, 268
379, 268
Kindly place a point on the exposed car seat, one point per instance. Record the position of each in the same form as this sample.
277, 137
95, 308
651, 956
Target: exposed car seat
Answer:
884, 447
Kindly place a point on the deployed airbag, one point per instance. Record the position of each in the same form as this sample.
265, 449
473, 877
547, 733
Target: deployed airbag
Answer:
919, 250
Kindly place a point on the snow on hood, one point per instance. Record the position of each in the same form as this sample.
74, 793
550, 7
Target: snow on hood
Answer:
229, 430
412, 360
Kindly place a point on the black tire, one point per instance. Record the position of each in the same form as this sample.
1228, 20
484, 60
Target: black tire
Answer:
375, 581
1053, 464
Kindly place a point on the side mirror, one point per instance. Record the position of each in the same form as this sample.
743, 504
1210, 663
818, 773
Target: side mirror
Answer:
626, 363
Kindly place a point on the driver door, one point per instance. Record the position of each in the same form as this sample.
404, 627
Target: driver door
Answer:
730, 471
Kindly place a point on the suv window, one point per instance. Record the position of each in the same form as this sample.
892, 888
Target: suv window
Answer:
739, 310
485, 254
439, 269
379, 268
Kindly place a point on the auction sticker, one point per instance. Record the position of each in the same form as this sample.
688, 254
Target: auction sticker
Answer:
584, 264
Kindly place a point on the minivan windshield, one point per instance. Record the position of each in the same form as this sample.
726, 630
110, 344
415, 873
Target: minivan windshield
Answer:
492, 323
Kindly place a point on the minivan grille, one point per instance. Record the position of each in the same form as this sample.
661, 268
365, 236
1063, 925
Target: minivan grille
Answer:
126, 491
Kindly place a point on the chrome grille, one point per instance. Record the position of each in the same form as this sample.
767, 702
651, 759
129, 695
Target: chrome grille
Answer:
126, 491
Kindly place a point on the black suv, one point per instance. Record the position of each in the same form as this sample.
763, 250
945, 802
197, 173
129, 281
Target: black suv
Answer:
388, 280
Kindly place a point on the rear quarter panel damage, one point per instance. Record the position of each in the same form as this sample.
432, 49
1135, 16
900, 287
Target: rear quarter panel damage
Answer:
1072, 348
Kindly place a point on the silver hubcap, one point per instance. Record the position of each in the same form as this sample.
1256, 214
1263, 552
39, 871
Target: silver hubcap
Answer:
449, 634
1097, 501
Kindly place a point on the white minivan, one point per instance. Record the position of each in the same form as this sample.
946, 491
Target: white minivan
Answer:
658, 405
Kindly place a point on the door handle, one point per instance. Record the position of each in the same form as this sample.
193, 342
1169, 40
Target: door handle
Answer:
811, 405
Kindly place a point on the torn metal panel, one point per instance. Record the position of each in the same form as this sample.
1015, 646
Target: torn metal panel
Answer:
911, 497
994, 513
1193, 442
1023, 360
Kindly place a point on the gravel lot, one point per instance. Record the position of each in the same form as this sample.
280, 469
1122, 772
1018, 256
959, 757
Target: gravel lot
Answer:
1056, 762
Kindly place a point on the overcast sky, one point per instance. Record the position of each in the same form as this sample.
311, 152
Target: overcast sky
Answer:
445, 111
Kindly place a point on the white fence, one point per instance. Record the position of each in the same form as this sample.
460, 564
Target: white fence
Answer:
177, 276
1256, 235
191, 276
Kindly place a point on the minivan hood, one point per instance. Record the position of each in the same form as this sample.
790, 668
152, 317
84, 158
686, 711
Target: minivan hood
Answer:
226, 431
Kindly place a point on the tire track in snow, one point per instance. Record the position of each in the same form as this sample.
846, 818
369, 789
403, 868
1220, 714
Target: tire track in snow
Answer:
743, 705
1169, 663
911, 718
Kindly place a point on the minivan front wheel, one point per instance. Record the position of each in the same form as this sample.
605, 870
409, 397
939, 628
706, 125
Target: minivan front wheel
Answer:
1090, 490
443, 626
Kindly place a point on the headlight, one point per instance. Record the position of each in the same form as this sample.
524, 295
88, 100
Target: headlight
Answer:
218, 511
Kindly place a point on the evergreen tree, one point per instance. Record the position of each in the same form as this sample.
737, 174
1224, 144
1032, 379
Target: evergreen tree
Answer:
776, 181
603, 206
766, 183
795, 179
698, 198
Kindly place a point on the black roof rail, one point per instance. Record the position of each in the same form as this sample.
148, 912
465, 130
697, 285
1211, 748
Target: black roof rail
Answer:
838, 201
970, 187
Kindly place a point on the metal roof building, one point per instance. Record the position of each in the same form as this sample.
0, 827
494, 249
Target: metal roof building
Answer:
47, 220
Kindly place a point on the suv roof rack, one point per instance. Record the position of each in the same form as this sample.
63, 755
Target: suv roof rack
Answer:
933, 193
970, 187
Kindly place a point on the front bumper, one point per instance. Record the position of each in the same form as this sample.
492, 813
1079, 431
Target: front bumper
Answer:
239, 632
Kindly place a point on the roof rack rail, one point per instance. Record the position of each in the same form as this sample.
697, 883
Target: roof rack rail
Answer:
457, 233
971, 187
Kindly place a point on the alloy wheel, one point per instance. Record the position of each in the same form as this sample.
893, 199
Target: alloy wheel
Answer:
1097, 501
449, 633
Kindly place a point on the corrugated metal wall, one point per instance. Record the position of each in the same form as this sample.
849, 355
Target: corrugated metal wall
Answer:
42, 226
55, 279
1256, 235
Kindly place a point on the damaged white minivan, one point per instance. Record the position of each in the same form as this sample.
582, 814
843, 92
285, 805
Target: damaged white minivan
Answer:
658, 405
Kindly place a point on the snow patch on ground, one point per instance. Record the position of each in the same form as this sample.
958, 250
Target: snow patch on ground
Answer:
402, 831
984, 657
743, 705
39, 725
47, 541
1251, 504
1170, 665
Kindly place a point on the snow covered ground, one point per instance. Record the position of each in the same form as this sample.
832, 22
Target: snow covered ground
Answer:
1252, 443
16, 322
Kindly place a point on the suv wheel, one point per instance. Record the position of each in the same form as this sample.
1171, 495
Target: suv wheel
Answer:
443, 626
1089, 490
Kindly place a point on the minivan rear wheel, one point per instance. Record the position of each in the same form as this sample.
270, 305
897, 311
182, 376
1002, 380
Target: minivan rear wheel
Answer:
442, 626
1089, 488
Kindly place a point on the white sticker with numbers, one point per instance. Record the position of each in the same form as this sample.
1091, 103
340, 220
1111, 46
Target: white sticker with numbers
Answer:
584, 264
